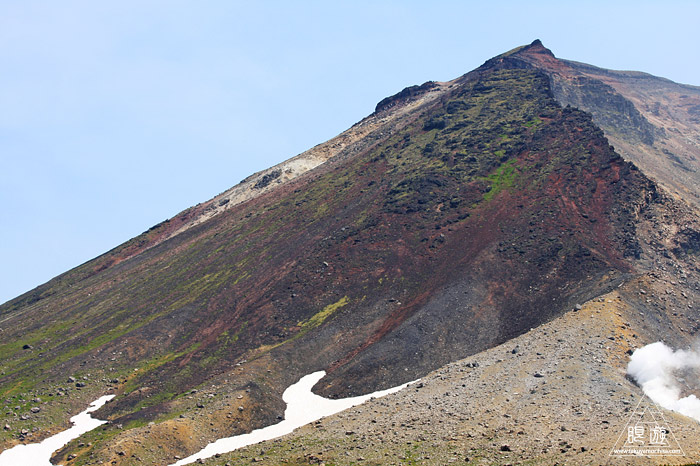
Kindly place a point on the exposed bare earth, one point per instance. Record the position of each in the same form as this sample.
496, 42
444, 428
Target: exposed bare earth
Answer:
674, 110
651, 121
556, 395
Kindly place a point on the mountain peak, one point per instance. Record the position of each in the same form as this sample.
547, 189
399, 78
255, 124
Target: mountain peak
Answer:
536, 47
534, 54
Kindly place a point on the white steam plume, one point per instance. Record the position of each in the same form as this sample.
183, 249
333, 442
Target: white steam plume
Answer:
653, 368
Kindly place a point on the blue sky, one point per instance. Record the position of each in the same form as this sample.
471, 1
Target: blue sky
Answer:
117, 115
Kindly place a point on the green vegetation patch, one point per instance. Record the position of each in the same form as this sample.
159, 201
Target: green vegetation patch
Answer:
503, 178
320, 317
466, 143
306, 326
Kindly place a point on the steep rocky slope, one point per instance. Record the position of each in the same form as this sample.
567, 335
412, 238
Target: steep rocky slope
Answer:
455, 218
557, 394
651, 121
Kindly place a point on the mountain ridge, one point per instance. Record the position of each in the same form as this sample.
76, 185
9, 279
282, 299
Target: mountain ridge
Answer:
634, 107
456, 217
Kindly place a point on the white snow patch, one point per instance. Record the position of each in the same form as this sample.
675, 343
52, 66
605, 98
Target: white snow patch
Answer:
39, 454
303, 407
